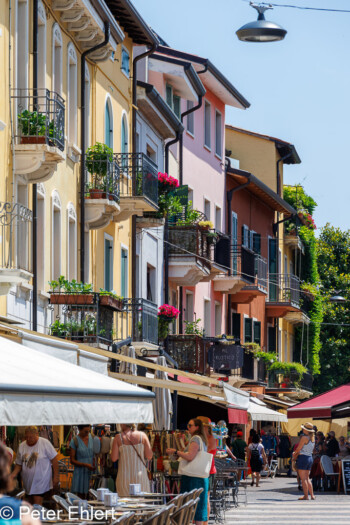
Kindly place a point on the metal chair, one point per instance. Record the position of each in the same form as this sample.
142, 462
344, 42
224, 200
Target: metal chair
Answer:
161, 517
180, 515
327, 467
62, 503
126, 519
177, 501
71, 497
93, 493
189, 496
192, 511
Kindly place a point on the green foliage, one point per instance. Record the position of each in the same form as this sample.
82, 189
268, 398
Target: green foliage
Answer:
191, 216
32, 123
289, 368
70, 286
296, 197
333, 247
111, 294
98, 158
168, 204
193, 328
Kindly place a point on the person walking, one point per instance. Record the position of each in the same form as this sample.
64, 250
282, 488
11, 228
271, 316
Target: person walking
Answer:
239, 447
132, 448
82, 457
316, 470
257, 458
197, 442
37, 462
303, 456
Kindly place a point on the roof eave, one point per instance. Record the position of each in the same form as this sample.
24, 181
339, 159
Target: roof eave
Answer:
132, 22
189, 70
105, 13
162, 106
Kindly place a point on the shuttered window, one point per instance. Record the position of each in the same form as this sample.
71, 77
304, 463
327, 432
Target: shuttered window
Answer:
257, 332
248, 330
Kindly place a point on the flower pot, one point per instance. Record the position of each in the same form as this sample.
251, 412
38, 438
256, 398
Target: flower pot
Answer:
63, 298
111, 302
33, 140
97, 194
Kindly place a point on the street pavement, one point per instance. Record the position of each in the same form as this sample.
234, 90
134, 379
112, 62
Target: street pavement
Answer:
276, 502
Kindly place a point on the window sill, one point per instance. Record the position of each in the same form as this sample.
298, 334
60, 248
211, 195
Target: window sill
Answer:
218, 156
190, 134
43, 295
207, 148
73, 152
127, 75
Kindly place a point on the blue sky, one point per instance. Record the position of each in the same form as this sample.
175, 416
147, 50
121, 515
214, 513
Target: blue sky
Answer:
298, 89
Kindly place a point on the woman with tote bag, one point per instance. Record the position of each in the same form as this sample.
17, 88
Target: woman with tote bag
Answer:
195, 464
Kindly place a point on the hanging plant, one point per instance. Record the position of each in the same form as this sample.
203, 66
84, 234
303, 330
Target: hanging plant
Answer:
166, 315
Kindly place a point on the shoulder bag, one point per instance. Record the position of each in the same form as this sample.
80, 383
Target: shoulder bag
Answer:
200, 465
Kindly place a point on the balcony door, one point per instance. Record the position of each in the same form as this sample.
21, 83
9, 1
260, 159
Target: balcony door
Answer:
234, 232
273, 270
108, 256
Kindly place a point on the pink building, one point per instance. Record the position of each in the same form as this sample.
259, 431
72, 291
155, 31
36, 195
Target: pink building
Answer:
195, 286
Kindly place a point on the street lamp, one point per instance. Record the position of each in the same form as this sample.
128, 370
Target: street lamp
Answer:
261, 30
337, 298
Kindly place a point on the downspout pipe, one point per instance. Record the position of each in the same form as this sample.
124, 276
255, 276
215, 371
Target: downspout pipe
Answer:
278, 173
83, 146
229, 196
34, 188
134, 114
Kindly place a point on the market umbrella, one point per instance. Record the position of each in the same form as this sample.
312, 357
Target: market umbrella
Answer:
162, 405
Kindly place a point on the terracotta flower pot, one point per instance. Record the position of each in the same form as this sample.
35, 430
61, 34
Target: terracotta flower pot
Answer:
96, 194
33, 140
63, 298
111, 302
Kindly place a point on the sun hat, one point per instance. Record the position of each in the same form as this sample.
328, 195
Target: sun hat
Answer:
308, 427
205, 420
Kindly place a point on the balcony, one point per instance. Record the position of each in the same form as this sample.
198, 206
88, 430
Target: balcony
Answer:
190, 352
15, 242
292, 240
85, 317
189, 255
302, 315
253, 270
38, 133
284, 295
102, 194
138, 320
280, 380
138, 184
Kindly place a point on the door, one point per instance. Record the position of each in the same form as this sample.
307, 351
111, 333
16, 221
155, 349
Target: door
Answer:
234, 242
273, 270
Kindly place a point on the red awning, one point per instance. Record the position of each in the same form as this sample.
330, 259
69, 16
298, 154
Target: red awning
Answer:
183, 379
321, 406
235, 415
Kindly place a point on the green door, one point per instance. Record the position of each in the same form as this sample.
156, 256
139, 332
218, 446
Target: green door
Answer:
273, 271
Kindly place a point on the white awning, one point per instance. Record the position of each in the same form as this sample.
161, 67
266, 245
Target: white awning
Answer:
39, 389
260, 412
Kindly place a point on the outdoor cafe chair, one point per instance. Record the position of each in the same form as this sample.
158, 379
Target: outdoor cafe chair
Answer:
189, 496
192, 511
327, 467
177, 501
161, 517
71, 497
126, 519
180, 515
93, 493
62, 503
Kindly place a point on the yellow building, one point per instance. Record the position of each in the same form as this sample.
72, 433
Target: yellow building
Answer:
265, 157
43, 139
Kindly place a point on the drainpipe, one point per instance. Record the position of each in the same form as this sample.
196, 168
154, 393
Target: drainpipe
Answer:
83, 147
229, 196
134, 113
34, 188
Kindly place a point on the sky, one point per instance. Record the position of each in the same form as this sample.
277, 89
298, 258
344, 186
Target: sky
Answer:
298, 89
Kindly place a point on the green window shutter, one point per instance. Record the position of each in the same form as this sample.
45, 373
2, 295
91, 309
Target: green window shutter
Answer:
248, 330
257, 332
257, 243
177, 106
272, 339
169, 95
236, 326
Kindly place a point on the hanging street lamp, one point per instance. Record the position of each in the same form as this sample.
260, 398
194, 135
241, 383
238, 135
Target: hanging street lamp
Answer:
261, 30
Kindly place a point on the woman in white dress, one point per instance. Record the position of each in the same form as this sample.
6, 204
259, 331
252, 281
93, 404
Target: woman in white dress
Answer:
132, 448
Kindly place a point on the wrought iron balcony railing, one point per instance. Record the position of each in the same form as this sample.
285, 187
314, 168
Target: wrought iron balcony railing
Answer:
102, 178
142, 320
15, 235
40, 116
189, 241
247, 370
284, 288
190, 352
281, 379
250, 265
139, 176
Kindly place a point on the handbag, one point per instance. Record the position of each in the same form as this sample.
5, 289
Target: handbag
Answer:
200, 465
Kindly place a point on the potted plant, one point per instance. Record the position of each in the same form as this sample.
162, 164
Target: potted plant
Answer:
55, 133
99, 163
166, 315
206, 225
73, 292
32, 127
58, 329
111, 300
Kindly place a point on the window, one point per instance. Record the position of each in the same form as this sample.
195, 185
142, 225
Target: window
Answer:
207, 317
174, 101
71, 243
56, 59
189, 307
248, 330
87, 106
190, 195
271, 341
177, 106
22, 230
218, 311
41, 46
257, 243
207, 125
218, 134
124, 272
169, 95
124, 135
22, 47
207, 209
151, 283
108, 260
72, 95
87, 257
236, 326
257, 332
218, 218
234, 242
125, 61
250, 239
56, 236
41, 236
190, 118
245, 236
109, 123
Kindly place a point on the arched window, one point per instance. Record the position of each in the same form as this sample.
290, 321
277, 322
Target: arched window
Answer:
124, 135
56, 59
56, 236
71, 242
22, 44
72, 95
87, 106
41, 46
109, 123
